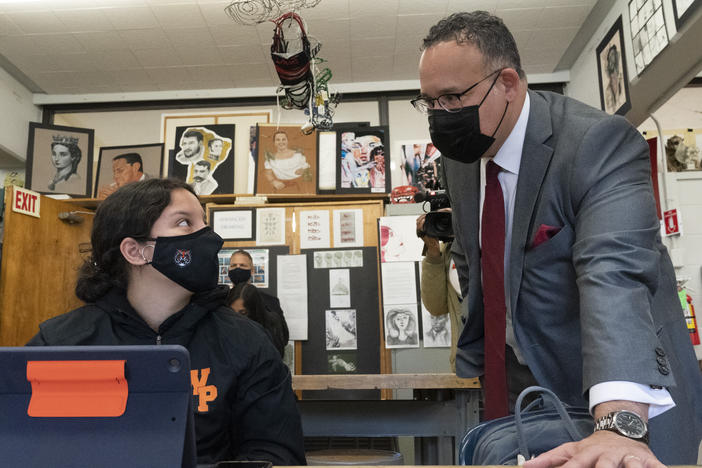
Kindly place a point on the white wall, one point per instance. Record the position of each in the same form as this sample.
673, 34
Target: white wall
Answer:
16, 111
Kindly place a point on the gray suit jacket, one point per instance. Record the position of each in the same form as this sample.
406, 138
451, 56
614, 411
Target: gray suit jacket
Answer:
597, 301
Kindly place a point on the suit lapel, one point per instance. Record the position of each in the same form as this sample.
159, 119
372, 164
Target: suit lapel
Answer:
536, 157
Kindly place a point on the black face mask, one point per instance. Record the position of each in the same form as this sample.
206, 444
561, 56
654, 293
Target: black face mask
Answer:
239, 275
457, 134
189, 260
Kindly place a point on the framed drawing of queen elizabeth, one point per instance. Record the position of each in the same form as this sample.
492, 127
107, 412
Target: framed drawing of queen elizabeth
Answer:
60, 160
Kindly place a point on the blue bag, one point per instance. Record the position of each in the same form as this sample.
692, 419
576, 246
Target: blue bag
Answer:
529, 432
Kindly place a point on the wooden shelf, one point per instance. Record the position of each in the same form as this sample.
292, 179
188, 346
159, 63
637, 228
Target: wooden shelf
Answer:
272, 198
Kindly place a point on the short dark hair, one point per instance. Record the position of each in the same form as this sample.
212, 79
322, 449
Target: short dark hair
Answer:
193, 134
131, 158
131, 211
204, 163
244, 253
209, 143
485, 31
613, 54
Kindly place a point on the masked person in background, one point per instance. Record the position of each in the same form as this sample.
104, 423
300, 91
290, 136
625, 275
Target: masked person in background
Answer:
152, 279
240, 268
441, 291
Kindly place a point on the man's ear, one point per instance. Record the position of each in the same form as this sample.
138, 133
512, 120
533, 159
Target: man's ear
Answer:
509, 78
134, 252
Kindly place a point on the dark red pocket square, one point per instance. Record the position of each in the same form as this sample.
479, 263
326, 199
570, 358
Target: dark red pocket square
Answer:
544, 233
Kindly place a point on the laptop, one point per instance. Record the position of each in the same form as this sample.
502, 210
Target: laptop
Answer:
107, 406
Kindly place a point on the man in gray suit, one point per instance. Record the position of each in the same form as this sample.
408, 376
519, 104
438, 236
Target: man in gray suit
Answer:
589, 306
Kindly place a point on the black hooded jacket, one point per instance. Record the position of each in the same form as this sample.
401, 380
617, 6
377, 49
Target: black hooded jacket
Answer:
242, 394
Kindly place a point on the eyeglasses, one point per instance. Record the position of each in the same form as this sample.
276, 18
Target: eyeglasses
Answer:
450, 102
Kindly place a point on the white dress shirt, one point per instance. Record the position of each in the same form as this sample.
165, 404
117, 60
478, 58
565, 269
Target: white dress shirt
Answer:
509, 158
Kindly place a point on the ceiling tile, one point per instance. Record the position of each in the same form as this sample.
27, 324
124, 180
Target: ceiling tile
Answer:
116, 60
58, 43
132, 77
406, 66
564, 17
255, 70
168, 74
455, 6
192, 37
179, 16
509, 4
411, 7
35, 23
206, 73
132, 18
162, 57
145, 39
18, 45
547, 38
522, 37
379, 7
328, 30
373, 26
49, 80
31, 64
76, 62
214, 14
199, 55
371, 68
333, 9
228, 36
520, 18
238, 54
84, 20
7, 27
365, 47
104, 41
417, 24
542, 55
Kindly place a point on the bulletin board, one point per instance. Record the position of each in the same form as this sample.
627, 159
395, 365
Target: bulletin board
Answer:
315, 355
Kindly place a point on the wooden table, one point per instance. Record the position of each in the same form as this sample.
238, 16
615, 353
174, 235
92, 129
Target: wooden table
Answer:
440, 424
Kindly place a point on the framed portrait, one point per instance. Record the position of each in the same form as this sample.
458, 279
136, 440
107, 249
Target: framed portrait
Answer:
362, 164
120, 165
611, 71
421, 165
203, 156
683, 9
60, 160
327, 155
286, 160
233, 224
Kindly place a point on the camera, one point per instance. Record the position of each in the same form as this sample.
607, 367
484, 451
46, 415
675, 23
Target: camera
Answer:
437, 224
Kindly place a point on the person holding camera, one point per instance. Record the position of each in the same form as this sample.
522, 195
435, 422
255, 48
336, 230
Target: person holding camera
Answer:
441, 292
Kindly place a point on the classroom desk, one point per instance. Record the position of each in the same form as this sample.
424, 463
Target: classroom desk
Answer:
443, 422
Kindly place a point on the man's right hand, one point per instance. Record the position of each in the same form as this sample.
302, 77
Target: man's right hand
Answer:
431, 243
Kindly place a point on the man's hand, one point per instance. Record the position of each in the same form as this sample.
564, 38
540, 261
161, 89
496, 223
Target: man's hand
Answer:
432, 243
603, 449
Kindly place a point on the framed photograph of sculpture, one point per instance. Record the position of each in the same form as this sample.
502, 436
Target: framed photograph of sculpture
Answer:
363, 162
204, 158
60, 160
286, 160
683, 9
120, 165
611, 71
421, 165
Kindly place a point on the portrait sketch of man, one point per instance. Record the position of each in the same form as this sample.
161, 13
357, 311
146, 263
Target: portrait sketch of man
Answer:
121, 165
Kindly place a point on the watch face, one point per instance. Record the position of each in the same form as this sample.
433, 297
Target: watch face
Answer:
630, 424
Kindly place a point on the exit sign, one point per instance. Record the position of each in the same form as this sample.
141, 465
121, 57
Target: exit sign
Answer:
25, 201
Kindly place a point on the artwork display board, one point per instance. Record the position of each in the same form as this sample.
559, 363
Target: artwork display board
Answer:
360, 316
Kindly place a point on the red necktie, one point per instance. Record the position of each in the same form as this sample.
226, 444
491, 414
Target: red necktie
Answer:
492, 262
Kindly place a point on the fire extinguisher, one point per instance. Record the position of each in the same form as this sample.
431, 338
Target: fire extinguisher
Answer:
689, 310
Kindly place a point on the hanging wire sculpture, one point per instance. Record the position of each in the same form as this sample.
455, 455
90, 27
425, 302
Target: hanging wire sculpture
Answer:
294, 53
251, 12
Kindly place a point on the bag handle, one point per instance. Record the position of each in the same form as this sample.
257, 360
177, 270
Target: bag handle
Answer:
574, 433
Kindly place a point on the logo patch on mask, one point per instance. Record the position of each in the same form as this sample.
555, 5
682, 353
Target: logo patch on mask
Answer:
182, 258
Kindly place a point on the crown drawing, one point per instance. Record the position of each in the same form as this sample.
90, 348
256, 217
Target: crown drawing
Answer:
65, 139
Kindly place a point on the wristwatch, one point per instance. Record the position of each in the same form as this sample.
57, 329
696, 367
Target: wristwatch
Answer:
624, 423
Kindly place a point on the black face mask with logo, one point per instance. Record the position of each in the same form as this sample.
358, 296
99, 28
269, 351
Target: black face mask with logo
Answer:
457, 134
189, 260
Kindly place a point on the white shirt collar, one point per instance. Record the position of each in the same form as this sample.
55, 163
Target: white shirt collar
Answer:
509, 156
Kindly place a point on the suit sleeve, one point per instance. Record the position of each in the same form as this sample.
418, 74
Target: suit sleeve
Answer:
615, 254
